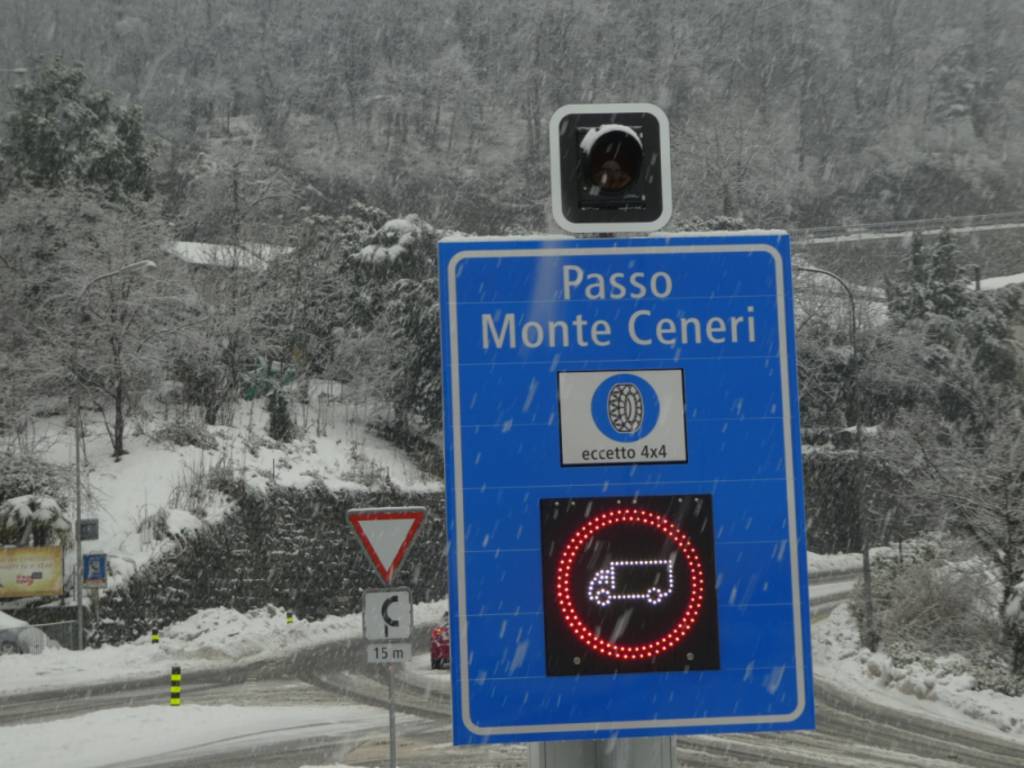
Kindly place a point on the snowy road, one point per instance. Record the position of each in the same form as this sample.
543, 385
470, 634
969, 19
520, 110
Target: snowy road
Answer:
195, 735
300, 711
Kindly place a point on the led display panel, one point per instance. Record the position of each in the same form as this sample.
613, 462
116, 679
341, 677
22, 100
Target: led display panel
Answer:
629, 585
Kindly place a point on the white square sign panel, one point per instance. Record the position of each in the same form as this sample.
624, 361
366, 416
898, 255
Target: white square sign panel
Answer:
622, 417
387, 614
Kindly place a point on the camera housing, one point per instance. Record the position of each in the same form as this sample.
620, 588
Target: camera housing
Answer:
610, 168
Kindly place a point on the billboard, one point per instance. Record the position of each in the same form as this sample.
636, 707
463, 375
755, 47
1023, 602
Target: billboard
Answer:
31, 571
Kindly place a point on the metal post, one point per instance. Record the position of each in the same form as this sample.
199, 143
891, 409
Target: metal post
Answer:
76, 342
870, 636
175, 686
649, 752
393, 747
78, 495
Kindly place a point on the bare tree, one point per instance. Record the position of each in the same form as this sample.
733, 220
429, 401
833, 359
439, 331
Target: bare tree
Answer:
977, 485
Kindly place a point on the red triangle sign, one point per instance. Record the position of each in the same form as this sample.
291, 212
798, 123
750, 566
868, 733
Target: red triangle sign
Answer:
386, 534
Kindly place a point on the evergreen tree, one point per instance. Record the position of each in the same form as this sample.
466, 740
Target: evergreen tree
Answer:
932, 282
61, 132
947, 279
281, 426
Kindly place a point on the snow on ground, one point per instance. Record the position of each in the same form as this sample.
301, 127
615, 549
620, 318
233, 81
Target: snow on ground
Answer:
212, 638
158, 480
155, 731
847, 562
992, 283
254, 256
418, 672
824, 565
429, 614
831, 590
945, 693
9, 622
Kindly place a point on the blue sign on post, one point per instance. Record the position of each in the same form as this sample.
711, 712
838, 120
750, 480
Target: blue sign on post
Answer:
624, 487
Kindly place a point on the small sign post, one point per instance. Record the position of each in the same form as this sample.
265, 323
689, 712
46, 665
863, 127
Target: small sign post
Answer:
387, 534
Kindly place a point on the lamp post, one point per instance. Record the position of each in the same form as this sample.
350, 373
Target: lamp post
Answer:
135, 266
858, 480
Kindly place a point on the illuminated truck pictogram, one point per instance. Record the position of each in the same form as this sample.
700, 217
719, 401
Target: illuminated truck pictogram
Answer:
603, 587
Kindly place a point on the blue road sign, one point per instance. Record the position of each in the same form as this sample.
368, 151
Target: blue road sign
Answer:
624, 487
94, 570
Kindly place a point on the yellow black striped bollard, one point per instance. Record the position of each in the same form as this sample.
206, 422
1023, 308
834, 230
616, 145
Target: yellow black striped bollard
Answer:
175, 686
154, 636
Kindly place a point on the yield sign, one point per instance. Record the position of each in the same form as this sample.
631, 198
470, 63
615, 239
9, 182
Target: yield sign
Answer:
386, 534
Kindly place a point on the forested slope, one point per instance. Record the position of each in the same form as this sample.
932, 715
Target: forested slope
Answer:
795, 114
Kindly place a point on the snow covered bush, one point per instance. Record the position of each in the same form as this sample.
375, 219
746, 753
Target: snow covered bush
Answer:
33, 521
281, 426
937, 609
183, 432
198, 482
22, 474
398, 240
288, 547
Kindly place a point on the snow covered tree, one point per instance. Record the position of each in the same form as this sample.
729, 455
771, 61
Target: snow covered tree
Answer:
932, 282
103, 339
281, 426
412, 314
119, 328
399, 266
60, 132
976, 484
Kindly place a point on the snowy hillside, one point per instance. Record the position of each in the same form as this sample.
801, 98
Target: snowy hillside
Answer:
159, 487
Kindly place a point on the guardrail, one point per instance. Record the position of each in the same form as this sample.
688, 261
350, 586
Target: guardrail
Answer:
906, 226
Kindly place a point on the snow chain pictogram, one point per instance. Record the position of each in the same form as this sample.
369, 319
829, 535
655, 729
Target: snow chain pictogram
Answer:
625, 408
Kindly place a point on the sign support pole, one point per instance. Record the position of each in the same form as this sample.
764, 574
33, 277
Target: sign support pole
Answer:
648, 752
393, 746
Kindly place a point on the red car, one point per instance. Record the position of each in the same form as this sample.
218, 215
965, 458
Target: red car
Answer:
440, 645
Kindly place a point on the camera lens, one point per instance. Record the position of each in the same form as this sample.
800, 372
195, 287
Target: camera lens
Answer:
613, 155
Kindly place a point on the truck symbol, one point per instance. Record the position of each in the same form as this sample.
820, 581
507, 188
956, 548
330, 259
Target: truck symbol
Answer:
602, 587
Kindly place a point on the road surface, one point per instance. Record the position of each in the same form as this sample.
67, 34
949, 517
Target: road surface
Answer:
851, 733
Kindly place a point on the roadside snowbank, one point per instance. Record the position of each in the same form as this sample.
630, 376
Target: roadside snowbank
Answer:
849, 562
9, 622
945, 693
211, 639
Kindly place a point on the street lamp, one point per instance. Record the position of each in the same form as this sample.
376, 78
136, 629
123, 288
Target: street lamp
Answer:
135, 266
858, 480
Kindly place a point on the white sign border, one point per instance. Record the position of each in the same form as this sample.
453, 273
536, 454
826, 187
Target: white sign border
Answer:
460, 535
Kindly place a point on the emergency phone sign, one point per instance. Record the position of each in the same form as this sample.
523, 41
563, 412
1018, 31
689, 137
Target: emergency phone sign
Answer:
625, 511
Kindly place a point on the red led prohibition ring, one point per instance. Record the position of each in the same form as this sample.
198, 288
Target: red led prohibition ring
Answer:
563, 592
